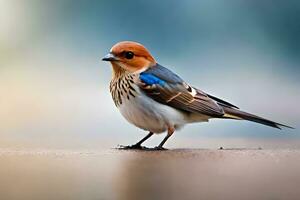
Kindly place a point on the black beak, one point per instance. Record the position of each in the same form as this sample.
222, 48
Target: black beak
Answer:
110, 57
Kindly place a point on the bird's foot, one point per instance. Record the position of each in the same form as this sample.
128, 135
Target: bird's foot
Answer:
159, 148
132, 147
139, 147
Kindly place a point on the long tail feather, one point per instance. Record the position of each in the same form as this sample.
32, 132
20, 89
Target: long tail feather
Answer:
238, 114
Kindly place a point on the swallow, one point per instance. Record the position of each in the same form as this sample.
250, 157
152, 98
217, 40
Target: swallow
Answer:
157, 100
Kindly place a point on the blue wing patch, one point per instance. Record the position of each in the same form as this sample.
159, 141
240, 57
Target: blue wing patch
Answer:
164, 74
150, 79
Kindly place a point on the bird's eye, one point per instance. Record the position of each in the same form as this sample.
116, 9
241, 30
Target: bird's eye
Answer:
129, 54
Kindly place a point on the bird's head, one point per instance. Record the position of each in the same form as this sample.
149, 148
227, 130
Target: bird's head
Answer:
130, 56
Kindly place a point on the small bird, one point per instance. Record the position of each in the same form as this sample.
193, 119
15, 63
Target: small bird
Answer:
155, 99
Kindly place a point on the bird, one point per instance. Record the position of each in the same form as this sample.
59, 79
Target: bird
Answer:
157, 100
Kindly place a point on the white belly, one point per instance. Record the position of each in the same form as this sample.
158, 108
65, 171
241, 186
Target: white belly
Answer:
150, 115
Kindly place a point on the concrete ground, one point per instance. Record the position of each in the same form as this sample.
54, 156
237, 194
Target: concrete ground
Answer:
173, 174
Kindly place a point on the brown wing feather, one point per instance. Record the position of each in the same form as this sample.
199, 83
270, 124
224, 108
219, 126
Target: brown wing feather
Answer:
179, 97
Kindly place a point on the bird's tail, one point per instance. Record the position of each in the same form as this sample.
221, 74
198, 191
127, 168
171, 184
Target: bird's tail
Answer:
233, 113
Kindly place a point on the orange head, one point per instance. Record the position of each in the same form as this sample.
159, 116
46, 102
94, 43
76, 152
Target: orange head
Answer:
130, 56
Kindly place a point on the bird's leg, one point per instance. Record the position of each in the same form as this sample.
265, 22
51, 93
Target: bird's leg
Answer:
138, 144
160, 146
143, 140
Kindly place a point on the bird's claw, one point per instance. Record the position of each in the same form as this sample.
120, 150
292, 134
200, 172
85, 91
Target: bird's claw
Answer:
131, 147
139, 147
159, 148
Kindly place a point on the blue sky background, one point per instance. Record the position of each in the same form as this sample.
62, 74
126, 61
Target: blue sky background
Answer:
54, 88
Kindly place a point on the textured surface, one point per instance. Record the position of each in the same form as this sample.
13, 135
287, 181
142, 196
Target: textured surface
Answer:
173, 174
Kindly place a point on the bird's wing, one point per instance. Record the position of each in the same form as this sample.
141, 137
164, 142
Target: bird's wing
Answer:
167, 88
222, 102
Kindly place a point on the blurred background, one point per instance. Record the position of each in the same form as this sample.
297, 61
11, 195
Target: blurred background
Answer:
54, 88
